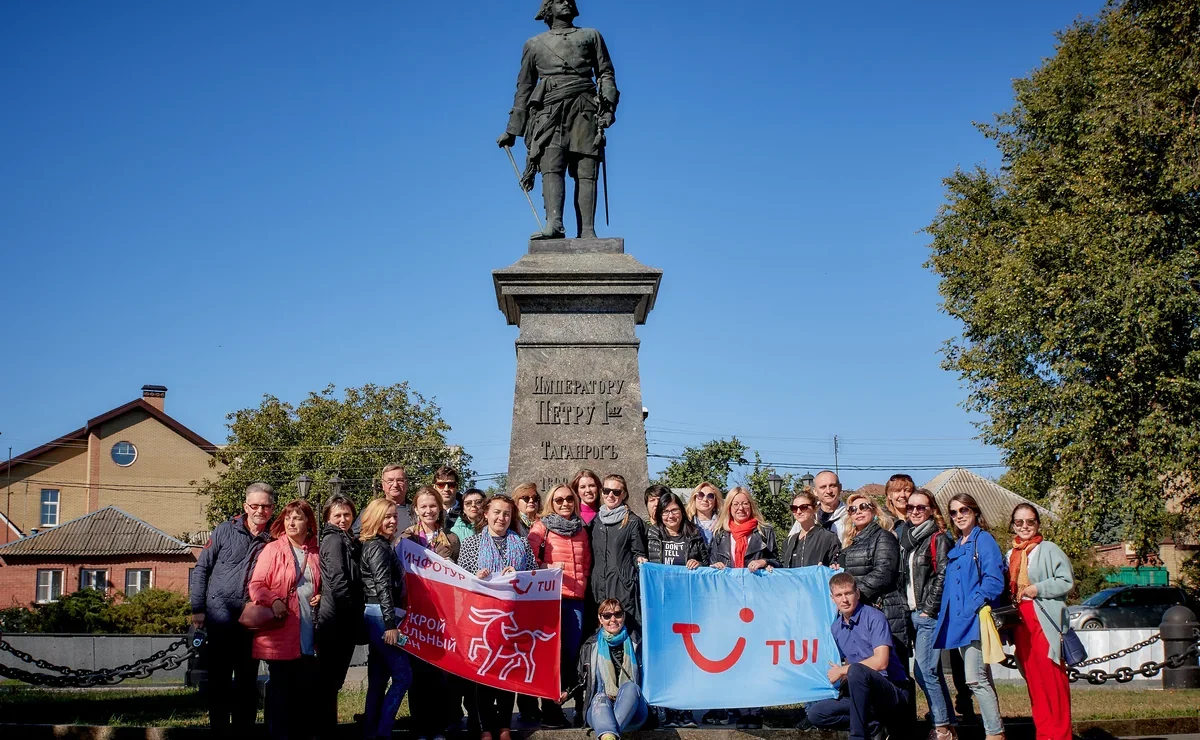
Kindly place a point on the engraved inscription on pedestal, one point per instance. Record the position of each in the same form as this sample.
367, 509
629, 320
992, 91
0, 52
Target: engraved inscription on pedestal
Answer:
578, 400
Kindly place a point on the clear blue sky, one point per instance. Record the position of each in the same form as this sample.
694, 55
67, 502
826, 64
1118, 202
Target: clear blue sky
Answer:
234, 199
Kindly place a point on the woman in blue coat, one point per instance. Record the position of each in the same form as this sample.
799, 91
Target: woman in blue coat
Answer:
974, 577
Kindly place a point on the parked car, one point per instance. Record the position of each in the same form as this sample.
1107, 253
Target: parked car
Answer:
1127, 606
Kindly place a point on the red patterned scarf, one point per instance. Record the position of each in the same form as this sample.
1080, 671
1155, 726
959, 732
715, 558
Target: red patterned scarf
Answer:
1018, 564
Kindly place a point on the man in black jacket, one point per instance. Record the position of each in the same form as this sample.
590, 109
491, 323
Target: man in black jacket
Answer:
446, 481
218, 593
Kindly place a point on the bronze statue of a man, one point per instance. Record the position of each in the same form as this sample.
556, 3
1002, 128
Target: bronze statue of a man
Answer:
566, 97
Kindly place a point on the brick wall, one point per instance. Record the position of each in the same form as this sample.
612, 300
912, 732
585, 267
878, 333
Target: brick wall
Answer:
18, 575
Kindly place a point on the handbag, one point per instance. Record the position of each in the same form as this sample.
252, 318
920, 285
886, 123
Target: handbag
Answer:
256, 617
1070, 646
1004, 613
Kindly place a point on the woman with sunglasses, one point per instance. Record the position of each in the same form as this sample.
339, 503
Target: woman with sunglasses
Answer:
704, 507
558, 540
586, 485
743, 540
618, 542
529, 504
497, 550
1039, 579
812, 544
924, 547
611, 672
974, 577
471, 520
871, 553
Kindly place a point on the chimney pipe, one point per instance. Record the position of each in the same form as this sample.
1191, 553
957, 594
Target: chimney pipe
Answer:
155, 395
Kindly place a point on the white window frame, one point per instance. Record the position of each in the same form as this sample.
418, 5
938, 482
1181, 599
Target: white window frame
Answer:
93, 571
52, 574
43, 502
142, 585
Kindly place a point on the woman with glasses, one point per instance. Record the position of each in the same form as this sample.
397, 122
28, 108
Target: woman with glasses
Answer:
743, 539
558, 540
340, 612
871, 553
383, 590
703, 508
497, 550
611, 672
618, 541
471, 520
924, 547
429, 697
586, 485
812, 544
529, 504
1039, 579
674, 540
974, 577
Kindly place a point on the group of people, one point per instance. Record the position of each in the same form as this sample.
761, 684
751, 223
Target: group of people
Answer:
910, 585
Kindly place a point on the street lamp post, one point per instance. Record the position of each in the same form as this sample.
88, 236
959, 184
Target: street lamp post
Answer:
806, 481
335, 485
774, 482
304, 485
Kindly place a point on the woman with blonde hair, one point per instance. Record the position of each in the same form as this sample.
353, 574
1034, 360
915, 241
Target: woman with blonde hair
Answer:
703, 508
618, 541
384, 593
743, 539
529, 504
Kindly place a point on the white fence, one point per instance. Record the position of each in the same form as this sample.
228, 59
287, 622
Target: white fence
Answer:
1103, 642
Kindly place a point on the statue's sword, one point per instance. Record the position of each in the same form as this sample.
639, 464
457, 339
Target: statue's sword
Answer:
508, 151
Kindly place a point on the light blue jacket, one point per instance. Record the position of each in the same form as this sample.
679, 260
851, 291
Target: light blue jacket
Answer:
974, 577
1050, 570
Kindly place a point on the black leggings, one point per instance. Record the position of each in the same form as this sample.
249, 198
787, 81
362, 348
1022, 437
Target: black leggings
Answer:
494, 708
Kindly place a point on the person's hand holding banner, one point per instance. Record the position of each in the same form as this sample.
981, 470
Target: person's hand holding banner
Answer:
502, 632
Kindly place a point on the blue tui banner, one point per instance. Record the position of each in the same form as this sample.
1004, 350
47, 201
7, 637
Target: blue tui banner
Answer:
726, 639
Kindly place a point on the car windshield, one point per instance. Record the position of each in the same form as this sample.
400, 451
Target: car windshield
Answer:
1100, 598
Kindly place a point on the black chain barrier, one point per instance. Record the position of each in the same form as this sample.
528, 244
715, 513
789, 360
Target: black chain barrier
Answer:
167, 659
79, 678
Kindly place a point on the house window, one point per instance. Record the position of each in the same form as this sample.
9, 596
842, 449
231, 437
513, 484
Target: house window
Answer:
49, 507
96, 578
123, 454
49, 585
136, 580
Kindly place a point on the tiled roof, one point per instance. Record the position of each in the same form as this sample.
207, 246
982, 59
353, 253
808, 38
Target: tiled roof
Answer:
108, 531
996, 501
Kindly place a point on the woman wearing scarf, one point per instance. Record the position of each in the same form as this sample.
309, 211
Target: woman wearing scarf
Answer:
618, 540
528, 502
1039, 578
743, 539
471, 520
559, 540
429, 698
497, 550
924, 546
610, 668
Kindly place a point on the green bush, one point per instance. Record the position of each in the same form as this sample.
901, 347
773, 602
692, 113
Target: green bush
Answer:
153, 611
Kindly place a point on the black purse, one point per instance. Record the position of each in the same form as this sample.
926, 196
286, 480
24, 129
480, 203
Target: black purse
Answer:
1004, 613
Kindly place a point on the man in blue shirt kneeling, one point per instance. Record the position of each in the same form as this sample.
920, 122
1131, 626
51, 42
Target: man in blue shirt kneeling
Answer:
874, 682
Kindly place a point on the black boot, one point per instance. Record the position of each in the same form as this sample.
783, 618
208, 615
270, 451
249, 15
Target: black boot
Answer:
554, 194
585, 208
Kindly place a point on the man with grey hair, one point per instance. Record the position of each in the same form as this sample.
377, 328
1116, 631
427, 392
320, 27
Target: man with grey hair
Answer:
218, 593
393, 480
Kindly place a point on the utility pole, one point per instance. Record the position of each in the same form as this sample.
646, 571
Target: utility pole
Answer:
836, 469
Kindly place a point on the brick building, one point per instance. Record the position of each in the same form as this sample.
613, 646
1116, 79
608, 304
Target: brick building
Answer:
107, 550
134, 457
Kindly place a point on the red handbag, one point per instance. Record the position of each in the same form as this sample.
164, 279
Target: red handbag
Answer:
258, 617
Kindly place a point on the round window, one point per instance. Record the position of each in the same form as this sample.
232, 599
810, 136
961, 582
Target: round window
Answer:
124, 453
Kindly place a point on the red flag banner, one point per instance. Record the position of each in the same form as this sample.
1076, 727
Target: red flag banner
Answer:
502, 632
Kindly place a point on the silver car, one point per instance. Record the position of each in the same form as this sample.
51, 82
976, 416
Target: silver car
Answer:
1126, 606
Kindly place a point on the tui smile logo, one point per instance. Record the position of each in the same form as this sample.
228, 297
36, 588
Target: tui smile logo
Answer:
687, 630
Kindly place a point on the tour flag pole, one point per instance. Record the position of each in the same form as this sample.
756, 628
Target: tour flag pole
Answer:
517, 172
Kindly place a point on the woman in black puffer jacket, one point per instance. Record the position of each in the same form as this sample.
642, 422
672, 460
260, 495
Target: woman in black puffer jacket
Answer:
340, 614
871, 553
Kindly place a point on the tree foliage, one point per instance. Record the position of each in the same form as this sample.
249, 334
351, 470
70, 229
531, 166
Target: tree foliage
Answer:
713, 462
775, 509
1075, 270
150, 611
353, 437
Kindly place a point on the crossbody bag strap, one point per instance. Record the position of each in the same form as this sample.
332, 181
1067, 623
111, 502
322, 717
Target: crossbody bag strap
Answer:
1048, 617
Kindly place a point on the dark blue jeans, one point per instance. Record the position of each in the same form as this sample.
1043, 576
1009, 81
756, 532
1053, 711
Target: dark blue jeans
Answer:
872, 698
384, 663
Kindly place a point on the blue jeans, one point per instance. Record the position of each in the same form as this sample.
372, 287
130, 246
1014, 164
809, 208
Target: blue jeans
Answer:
384, 663
570, 638
613, 716
979, 679
927, 669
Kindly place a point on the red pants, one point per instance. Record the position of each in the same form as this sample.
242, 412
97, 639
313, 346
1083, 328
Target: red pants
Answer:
1049, 690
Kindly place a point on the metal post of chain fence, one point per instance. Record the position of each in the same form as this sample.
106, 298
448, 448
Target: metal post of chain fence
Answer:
1179, 627
75, 678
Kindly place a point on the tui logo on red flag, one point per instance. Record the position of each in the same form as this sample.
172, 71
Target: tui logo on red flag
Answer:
502, 632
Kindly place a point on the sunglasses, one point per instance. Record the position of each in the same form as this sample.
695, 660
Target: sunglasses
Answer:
919, 508
801, 507
613, 491
960, 512
1025, 522
445, 483
472, 504
707, 496
611, 615
866, 506
560, 501
527, 499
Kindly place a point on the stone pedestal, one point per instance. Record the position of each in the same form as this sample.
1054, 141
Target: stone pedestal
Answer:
578, 398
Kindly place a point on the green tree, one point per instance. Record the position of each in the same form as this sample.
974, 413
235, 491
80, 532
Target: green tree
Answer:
152, 611
1075, 270
713, 462
19, 619
353, 437
776, 509
82, 611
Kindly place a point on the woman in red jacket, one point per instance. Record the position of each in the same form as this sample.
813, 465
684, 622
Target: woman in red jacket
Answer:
287, 578
559, 540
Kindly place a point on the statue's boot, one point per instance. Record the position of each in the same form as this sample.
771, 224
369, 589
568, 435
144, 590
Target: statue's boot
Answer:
585, 208
553, 192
